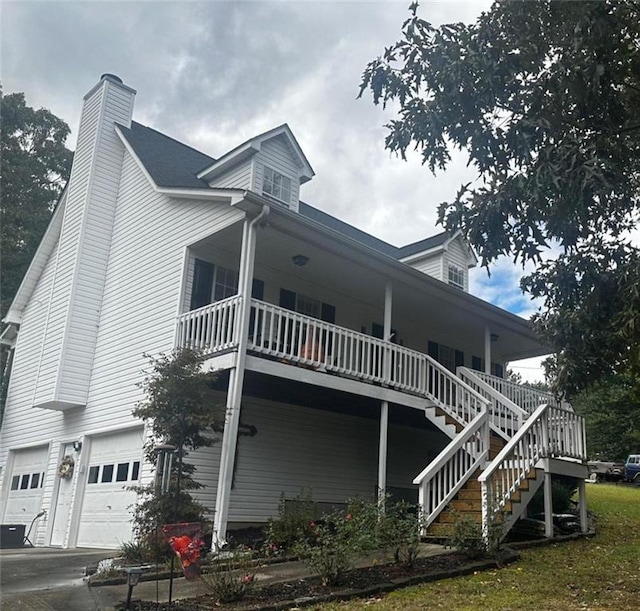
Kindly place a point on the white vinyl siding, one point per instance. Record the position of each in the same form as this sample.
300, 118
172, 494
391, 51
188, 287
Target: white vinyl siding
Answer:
141, 296
457, 256
277, 155
238, 177
432, 266
333, 455
69, 342
143, 284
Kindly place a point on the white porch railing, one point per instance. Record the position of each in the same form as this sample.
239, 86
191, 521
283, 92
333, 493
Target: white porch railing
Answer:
211, 328
549, 432
505, 415
291, 337
529, 399
441, 480
286, 335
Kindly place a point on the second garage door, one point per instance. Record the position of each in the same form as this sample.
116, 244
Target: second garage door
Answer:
25, 485
114, 466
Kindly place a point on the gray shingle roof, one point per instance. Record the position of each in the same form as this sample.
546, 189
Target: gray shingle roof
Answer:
170, 163
173, 164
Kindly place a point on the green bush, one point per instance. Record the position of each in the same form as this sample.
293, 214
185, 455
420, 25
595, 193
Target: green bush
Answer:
292, 524
231, 576
562, 491
332, 547
466, 537
399, 529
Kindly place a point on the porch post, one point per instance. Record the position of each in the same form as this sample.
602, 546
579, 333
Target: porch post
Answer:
384, 407
236, 380
548, 503
487, 349
582, 505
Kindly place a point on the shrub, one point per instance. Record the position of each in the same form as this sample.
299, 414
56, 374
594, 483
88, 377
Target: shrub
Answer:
139, 551
562, 491
466, 537
292, 524
231, 576
399, 531
331, 548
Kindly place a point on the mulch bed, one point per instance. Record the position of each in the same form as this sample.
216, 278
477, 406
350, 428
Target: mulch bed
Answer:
362, 582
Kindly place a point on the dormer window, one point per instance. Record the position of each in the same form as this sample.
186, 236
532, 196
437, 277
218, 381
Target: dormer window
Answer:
276, 185
456, 276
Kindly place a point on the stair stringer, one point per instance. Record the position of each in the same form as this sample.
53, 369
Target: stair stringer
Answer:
518, 508
440, 421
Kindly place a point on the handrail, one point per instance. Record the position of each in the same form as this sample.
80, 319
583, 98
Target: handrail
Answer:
211, 328
526, 397
441, 480
286, 335
504, 413
549, 432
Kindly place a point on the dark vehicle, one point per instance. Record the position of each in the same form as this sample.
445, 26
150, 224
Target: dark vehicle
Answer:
601, 471
632, 469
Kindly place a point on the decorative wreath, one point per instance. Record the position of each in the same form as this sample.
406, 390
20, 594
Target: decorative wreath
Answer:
65, 470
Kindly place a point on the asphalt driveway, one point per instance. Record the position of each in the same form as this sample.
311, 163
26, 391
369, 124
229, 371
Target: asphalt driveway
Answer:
41, 579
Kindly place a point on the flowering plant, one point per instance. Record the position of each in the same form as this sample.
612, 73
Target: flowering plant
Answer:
65, 469
186, 541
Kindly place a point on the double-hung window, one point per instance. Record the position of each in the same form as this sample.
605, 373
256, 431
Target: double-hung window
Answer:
277, 185
456, 276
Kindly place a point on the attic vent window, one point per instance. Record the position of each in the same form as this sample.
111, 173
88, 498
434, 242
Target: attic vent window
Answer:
276, 185
456, 277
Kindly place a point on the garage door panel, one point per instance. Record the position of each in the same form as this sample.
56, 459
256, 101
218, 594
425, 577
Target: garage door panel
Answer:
114, 466
25, 485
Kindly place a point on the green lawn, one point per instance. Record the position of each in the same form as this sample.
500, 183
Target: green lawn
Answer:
602, 572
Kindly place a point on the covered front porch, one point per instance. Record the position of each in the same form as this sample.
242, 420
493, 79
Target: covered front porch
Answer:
311, 306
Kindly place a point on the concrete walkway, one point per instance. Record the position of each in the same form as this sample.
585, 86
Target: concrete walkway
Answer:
271, 573
52, 579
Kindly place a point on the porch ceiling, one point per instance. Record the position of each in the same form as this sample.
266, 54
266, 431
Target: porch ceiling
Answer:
360, 273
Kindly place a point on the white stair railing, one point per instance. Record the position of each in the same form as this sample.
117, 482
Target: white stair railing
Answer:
526, 397
441, 480
504, 414
549, 432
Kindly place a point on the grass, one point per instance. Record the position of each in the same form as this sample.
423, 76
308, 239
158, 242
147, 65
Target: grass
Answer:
600, 573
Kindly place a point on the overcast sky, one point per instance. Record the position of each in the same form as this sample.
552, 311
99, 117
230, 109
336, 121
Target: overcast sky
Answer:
213, 74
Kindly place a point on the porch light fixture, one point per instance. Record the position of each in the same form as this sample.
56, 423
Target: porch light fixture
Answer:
300, 260
77, 446
494, 337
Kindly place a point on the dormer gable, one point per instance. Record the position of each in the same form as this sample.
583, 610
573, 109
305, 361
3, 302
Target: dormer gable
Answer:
445, 256
271, 164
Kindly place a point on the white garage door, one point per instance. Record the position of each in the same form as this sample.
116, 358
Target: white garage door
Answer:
114, 466
25, 485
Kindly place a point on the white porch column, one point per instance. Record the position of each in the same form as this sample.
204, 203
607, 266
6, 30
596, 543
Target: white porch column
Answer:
548, 503
236, 380
582, 505
384, 407
487, 349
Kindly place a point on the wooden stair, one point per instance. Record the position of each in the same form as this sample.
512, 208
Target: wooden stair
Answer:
468, 501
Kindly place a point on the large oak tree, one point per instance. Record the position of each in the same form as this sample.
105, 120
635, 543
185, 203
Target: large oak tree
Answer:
543, 97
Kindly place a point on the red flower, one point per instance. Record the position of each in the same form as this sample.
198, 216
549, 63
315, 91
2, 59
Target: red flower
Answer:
348, 517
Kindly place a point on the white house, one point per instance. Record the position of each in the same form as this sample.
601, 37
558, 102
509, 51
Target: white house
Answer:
356, 366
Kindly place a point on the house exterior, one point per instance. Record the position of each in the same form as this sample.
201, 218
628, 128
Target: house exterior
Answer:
348, 366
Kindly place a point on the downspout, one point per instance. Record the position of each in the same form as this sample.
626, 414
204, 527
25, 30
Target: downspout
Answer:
236, 379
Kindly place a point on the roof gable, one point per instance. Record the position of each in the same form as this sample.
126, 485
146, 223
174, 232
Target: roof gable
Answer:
251, 147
